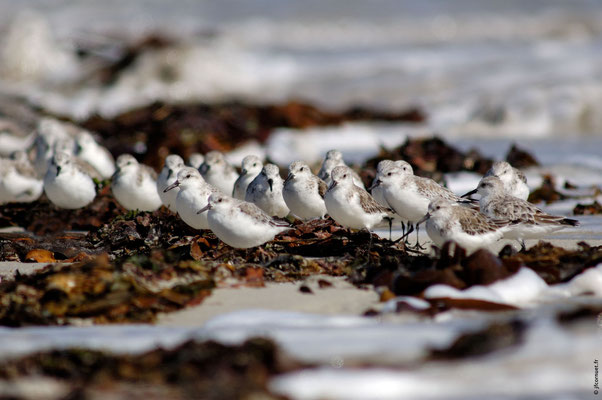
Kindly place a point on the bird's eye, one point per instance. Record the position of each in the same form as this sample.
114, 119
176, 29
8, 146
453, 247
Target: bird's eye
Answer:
188, 176
219, 201
438, 208
389, 174
301, 169
254, 164
345, 176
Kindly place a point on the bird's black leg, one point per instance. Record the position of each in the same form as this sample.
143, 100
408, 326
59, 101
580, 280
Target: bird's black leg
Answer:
418, 246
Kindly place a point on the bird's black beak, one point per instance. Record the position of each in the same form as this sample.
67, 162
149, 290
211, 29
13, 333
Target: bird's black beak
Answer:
58, 170
333, 184
427, 216
243, 172
271, 183
376, 183
469, 193
202, 210
172, 186
288, 178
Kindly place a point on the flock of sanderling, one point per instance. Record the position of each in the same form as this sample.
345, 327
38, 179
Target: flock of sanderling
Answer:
247, 210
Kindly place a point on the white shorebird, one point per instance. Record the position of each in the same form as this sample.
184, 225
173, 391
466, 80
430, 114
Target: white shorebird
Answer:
49, 132
466, 226
134, 185
193, 195
88, 149
378, 192
251, 167
196, 160
218, 172
19, 181
515, 182
304, 192
350, 205
527, 220
265, 191
169, 174
410, 195
67, 184
334, 158
241, 224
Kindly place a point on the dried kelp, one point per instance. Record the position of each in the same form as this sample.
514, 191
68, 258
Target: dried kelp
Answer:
206, 370
588, 209
189, 128
556, 264
101, 291
431, 157
546, 192
494, 337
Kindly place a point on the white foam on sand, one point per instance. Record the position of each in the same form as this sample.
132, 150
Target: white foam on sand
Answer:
550, 364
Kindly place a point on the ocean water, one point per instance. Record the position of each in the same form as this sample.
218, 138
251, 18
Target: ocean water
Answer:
478, 68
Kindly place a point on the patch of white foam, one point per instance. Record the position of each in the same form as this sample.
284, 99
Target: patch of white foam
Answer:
356, 141
520, 289
316, 338
550, 364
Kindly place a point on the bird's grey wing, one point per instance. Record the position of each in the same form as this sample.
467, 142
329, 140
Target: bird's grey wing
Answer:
370, 205
322, 186
432, 190
476, 223
257, 213
86, 168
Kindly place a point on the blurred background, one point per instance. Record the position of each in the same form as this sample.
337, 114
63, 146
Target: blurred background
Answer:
527, 69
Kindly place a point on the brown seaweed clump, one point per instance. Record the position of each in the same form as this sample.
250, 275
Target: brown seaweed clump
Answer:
556, 264
588, 209
206, 370
520, 158
101, 291
546, 192
429, 157
188, 128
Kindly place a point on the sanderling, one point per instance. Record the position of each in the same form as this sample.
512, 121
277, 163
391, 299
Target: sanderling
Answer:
193, 195
241, 224
134, 185
409, 195
528, 221
304, 192
218, 172
13, 137
66, 184
169, 174
350, 205
87, 149
19, 181
334, 158
265, 191
196, 160
49, 131
251, 167
515, 182
377, 191
466, 226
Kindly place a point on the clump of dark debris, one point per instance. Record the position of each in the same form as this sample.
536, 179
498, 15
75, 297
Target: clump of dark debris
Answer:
546, 192
206, 370
430, 157
188, 128
101, 291
588, 209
